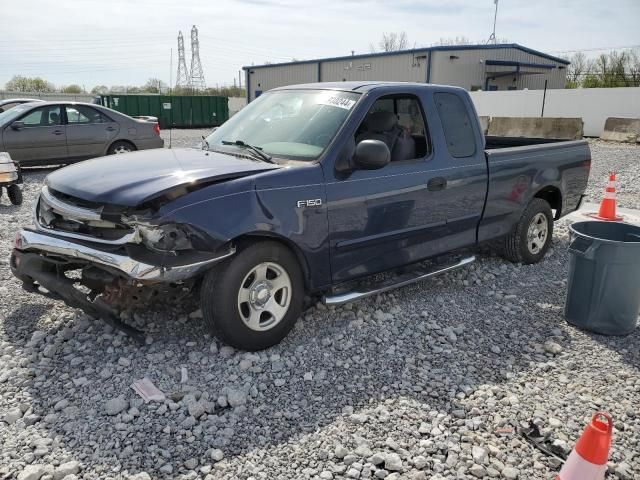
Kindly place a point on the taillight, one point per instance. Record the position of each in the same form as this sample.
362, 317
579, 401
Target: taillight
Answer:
156, 128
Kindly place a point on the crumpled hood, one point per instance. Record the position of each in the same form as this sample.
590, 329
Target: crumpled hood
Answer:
134, 178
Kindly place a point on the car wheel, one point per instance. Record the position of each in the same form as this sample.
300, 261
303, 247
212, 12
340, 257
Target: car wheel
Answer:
253, 300
531, 238
15, 194
120, 147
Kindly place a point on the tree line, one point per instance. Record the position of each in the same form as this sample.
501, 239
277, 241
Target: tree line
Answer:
615, 69
24, 84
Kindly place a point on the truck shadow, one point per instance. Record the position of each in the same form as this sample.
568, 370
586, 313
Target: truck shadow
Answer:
430, 345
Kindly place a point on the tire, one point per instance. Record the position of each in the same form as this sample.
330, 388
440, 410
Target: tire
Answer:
121, 146
253, 300
15, 194
531, 239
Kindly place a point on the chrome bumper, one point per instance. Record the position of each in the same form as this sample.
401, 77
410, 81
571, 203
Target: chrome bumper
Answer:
30, 241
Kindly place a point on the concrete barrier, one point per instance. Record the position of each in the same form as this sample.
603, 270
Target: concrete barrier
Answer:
484, 123
618, 129
536, 127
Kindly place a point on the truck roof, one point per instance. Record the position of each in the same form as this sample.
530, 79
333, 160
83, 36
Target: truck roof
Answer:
362, 86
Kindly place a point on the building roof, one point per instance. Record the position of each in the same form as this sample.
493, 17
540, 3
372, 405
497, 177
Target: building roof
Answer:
418, 51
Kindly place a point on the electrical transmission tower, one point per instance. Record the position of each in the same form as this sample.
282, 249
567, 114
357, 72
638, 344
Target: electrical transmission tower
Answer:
196, 81
182, 79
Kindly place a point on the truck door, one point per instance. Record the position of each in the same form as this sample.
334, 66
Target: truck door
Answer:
425, 202
380, 219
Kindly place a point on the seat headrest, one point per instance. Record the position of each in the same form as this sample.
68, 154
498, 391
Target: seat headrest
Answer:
380, 121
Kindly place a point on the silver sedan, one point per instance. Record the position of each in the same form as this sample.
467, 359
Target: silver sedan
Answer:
53, 133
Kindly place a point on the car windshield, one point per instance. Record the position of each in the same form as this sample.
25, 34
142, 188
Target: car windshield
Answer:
13, 113
289, 124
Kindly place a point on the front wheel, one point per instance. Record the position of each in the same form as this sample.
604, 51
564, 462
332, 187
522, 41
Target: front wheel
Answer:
531, 238
15, 194
253, 300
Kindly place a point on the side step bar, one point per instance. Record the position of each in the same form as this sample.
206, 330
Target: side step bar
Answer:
400, 281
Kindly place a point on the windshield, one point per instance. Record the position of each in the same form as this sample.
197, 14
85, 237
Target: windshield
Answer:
290, 124
12, 113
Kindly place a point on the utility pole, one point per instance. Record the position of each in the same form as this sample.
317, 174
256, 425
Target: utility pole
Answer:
492, 37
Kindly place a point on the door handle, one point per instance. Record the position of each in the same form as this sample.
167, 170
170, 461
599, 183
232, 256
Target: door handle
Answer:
437, 183
57, 132
111, 129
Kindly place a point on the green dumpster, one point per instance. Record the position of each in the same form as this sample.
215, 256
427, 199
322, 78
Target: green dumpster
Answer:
176, 111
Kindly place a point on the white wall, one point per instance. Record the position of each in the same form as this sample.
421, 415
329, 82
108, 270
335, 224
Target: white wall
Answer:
594, 105
63, 97
236, 104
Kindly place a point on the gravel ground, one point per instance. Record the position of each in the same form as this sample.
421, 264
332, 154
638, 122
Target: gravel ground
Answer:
429, 381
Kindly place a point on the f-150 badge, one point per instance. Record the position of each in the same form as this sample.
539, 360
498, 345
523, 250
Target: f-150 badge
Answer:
310, 203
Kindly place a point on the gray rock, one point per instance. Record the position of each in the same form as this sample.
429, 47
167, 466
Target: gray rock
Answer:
480, 455
393, 462
68, 468
340, 451
217, 455
191, 463
116, 405
477, 471
196, 409
34, 472
236, 398
552, 347
510, 473
420, 462
12, 416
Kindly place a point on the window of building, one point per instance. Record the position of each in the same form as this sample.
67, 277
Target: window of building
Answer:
398, 121
457, 125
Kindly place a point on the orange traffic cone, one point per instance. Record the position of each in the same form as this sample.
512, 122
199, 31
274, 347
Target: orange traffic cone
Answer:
608, 205
588, 460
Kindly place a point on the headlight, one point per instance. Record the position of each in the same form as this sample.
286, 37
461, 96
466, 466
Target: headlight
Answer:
164, 238
8, 176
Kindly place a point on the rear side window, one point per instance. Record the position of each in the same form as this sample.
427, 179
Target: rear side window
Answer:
456, 123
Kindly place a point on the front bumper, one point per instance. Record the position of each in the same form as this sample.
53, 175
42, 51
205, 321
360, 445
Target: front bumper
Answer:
135, 269
41, 261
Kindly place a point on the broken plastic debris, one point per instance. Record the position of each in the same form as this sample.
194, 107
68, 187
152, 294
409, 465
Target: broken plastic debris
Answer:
147, 390
184, 377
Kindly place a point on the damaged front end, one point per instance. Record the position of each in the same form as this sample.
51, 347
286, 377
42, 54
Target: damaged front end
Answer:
103, 258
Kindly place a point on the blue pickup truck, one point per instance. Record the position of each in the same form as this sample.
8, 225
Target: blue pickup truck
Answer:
307, 192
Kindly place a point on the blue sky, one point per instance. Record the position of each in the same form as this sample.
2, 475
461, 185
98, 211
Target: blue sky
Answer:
124, 42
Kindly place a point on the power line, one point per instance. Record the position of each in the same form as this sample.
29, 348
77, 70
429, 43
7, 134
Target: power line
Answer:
595, 49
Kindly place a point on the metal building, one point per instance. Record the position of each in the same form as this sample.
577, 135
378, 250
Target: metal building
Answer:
474, 67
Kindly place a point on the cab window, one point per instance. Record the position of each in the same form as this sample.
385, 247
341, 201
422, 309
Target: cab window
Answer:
398, 121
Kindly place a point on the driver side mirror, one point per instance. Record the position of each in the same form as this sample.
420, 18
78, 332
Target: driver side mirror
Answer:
372, 154
17, 125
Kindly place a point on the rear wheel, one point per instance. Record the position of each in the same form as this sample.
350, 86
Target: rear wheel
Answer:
120, 147
531, 238
15, 194
253, 300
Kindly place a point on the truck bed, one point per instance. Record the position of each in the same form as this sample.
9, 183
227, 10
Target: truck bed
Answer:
494, 143
520, 167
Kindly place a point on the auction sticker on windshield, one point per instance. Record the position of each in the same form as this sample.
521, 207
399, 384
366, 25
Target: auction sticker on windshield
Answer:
339, 102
